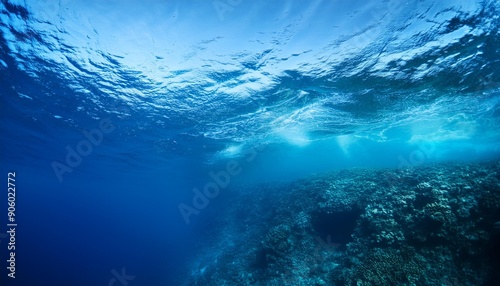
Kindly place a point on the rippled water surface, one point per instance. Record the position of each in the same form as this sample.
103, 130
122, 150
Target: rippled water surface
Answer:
113, 111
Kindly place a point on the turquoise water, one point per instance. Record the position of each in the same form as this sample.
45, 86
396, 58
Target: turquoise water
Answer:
116, 115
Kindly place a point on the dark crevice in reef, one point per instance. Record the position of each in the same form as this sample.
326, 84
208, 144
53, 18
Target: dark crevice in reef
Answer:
336, 227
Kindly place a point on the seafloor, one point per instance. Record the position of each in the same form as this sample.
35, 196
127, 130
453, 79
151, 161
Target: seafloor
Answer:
429, 225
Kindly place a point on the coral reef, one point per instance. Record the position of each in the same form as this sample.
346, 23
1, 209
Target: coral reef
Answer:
431, 225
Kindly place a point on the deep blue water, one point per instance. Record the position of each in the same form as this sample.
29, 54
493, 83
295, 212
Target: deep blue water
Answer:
156, 95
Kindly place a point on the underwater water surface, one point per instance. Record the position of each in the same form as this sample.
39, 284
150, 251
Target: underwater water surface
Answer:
237, 142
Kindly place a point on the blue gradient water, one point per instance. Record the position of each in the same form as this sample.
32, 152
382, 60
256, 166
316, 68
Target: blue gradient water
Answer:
176, 89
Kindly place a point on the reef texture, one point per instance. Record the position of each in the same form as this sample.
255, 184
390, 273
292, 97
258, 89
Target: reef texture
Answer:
431, 225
